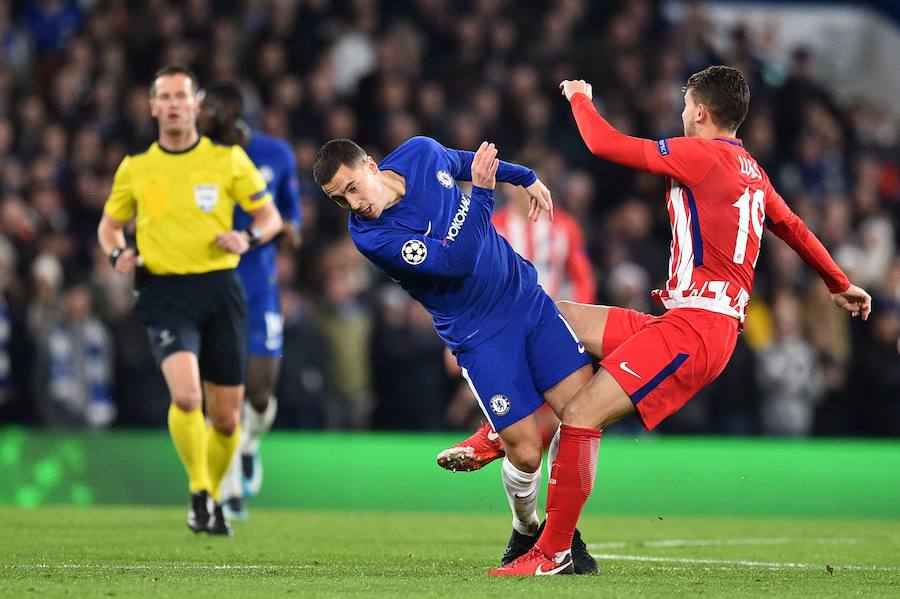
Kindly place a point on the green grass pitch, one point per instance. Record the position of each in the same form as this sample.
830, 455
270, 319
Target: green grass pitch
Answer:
148, 552
370, 515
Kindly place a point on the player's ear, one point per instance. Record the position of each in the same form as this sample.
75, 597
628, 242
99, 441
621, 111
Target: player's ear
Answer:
701, 113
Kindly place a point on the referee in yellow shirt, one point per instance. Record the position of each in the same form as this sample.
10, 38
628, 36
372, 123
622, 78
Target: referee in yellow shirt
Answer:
182, 192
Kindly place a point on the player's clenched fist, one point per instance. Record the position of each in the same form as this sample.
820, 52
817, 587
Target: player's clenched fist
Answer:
233, 242
484, 166
579, 86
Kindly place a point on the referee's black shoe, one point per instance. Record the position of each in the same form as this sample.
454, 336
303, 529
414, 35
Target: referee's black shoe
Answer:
220, 524
199, 518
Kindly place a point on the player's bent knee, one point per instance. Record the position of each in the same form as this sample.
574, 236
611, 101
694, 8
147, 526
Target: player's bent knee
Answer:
580, 416
598, 404
260, 381
226, 423
259, 398
187, 400
525, 457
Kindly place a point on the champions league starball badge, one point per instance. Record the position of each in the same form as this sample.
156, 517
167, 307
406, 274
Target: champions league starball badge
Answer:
414, 252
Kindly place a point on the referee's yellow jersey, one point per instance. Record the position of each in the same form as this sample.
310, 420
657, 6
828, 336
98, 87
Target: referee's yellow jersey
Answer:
182, 201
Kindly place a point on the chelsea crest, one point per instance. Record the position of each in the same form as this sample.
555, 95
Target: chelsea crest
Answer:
499, 404
445, 179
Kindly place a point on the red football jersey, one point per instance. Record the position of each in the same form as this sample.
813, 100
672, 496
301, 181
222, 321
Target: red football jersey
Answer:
718, 199
557, 250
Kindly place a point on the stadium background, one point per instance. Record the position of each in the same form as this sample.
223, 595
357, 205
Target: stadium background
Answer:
769, 484
358, 354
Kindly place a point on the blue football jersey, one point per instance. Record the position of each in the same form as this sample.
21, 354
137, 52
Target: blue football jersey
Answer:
275, 162
440, 246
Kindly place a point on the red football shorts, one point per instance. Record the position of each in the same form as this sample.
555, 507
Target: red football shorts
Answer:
663, 361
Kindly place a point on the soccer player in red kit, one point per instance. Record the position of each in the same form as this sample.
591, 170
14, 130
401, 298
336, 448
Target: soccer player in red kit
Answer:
718, 200
555, 247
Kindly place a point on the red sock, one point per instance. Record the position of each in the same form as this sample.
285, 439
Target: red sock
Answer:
571, 482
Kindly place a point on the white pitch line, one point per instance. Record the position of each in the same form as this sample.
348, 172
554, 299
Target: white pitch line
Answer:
140, 567
743, 563
721, 563
724, 542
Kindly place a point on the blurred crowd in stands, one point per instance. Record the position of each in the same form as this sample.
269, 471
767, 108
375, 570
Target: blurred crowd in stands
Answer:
358, 353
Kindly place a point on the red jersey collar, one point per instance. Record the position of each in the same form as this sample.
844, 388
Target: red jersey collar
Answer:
730, 140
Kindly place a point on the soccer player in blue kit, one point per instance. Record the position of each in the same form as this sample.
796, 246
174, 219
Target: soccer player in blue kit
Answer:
220, 119
410, 218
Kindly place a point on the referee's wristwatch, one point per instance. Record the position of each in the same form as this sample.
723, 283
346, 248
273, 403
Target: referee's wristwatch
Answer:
254, 237
114, 255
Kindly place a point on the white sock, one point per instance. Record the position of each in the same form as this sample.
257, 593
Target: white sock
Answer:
552, 451
231, 485
522, 492
255, 425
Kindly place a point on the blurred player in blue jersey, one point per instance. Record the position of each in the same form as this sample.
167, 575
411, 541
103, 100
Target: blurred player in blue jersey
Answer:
410, 218
220, 119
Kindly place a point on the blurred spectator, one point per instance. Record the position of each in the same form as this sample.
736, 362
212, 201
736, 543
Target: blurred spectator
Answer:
627, 287
789, 373
45, 305
407, 366
14, 339
875, 373
74, 366
301, 392
347, 327
51, 23
7, 266
73, 102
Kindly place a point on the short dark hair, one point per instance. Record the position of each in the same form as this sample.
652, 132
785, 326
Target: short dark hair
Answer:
332, 156
174, 69
227, 92
725, 93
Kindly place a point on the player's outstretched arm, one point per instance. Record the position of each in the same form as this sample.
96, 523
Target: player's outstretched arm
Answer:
507, 172
791, 229
601, 138
854, 300
685, 159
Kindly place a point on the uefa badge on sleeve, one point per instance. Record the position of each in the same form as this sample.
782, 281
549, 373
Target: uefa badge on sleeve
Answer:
499, 404
414, 252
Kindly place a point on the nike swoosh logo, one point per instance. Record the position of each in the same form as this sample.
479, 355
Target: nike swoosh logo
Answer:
572, 332
428, 230
624, 366
492, 436
552, 571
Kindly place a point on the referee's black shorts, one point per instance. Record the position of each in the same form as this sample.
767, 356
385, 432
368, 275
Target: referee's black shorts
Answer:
205, 314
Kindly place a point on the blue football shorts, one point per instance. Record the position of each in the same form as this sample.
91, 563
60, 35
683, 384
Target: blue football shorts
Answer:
265, 323
510, 371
